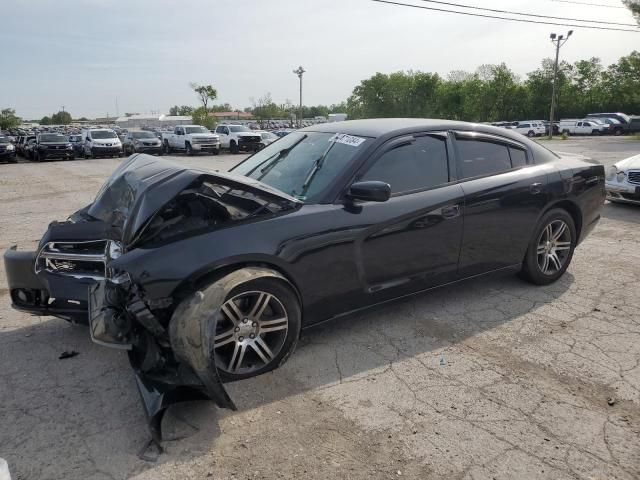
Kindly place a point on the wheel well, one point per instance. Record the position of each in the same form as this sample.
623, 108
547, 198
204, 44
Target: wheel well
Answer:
573, 210
198, 282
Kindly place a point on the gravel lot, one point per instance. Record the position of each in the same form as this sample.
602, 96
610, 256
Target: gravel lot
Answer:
491, 378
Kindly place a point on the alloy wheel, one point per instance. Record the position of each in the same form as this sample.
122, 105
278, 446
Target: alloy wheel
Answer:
250, 332
554, 247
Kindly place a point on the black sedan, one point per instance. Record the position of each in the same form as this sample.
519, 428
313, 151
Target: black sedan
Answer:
209, 277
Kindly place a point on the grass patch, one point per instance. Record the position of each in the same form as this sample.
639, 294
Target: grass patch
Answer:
635, 137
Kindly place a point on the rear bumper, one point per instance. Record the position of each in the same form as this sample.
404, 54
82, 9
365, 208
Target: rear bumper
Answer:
151, 150
44, 294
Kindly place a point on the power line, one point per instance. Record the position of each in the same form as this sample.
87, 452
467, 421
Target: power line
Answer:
522, 20
526, 14
590, 4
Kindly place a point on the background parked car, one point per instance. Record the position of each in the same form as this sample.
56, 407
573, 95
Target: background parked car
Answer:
22, 143
77, 144
28, 148
141, 142
52, 145
622, 118
101, 142
7, 150
530, 129
580, 127
623, 181
267, 138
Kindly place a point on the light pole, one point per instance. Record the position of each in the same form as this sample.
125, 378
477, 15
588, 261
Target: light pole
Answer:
558, 41
299, 71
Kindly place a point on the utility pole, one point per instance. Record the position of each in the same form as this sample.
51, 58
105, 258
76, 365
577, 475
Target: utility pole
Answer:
558, 41
299, 71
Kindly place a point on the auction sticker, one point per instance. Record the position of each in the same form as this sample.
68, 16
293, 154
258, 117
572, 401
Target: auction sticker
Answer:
347, 139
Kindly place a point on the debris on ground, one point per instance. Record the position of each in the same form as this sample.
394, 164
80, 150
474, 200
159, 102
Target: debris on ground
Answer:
67, 354
611, 401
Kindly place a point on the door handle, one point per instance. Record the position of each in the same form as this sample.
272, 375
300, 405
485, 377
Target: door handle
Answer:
592, 181
535, 188
452, 211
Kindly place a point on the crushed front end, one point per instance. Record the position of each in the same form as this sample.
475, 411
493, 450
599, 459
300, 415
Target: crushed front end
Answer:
108, 265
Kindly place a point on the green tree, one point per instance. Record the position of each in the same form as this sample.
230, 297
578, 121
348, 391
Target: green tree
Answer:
205, 93
61, 118
634, 6
8, 118
201, 116
45, 120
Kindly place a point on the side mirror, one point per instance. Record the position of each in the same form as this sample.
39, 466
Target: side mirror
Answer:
372, 191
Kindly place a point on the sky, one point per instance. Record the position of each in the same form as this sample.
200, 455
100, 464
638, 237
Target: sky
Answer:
89, 55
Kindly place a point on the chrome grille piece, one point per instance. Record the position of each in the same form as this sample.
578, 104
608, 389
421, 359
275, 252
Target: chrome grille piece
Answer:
634, 177
78, 259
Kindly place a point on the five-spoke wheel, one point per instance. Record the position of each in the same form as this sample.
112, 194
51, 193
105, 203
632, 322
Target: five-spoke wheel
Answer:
551, 248
256, 329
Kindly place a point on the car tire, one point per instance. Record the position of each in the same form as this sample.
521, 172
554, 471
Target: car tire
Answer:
551, 248
282, 303
13, 159
167, 148
233, 147
189, 149
215, 152
531, 134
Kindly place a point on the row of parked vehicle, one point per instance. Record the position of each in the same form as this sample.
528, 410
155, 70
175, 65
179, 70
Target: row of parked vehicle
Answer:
106, 142
593, 124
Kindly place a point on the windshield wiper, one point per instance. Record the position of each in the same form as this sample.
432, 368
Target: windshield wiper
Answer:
317, 165
273, 160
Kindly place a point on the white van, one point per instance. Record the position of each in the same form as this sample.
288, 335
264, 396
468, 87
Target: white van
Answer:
101, 142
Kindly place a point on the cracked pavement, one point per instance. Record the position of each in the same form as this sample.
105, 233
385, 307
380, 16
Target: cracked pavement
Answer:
490, 378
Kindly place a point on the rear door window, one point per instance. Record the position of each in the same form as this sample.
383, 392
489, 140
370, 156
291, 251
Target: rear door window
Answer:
518, 157
479, 157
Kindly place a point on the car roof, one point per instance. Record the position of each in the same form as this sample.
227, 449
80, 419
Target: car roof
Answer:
378, 127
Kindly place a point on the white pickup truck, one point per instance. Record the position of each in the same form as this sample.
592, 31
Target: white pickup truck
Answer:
191, 139
582, 127
238, 138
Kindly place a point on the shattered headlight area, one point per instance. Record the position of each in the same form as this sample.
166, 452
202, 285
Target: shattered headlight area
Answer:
173, 363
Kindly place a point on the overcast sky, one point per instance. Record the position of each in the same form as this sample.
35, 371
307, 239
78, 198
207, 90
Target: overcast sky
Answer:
84, 54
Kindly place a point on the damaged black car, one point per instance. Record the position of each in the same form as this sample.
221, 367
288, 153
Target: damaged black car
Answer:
209, 277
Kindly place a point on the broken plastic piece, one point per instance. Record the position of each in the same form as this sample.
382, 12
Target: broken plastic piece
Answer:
67, 354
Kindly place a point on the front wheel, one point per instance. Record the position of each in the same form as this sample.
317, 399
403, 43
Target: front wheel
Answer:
189, 149
531, 134
233, 147
551, 248
257, 330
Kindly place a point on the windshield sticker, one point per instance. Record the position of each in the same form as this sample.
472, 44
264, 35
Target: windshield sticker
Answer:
347, 139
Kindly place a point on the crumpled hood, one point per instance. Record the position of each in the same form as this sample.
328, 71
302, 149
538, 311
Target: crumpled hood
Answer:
629, 163
143, 184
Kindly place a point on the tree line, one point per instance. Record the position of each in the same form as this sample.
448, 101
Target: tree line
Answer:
495, 93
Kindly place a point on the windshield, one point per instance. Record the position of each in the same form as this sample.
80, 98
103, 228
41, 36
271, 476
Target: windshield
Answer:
53, 138
103, 134
142, 135
302, 164
239, 128
3, 139
195, 130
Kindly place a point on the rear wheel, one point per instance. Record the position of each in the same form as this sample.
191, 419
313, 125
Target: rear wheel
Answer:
257, 330
551, 248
